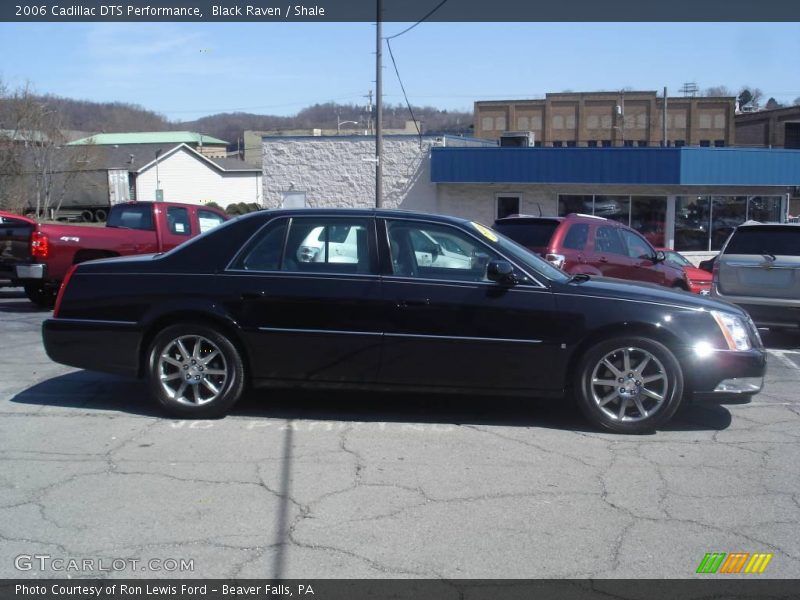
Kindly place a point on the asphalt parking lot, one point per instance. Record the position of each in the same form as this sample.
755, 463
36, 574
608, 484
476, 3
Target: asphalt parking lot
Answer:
313, 485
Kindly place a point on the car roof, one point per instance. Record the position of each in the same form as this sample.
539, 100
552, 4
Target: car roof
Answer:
542, 219
387, 213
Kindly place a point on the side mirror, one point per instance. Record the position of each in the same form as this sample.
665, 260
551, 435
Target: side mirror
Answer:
501, 271
659, 257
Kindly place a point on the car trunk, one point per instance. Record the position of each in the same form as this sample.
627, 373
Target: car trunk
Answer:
761, 262
15, 243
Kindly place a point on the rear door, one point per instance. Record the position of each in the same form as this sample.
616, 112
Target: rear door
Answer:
310, 304
761, 262
609, 254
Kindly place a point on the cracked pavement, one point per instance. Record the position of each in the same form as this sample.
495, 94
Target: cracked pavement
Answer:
357, 485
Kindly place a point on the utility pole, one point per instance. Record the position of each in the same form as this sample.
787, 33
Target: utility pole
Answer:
369, 112
379, 107
664, 120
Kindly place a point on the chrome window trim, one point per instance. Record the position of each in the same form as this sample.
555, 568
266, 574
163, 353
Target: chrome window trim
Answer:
463, 230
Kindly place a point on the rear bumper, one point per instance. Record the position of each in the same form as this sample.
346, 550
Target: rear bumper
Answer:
773, 315
725, 372
110, 346
30, 271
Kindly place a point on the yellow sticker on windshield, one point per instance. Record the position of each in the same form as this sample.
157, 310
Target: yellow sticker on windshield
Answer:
485, 231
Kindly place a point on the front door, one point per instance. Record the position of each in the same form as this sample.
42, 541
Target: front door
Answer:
448, 325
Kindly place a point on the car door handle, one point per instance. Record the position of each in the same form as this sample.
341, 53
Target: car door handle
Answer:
254, 295
417, 303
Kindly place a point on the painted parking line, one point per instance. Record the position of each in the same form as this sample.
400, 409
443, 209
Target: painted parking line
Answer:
781, 355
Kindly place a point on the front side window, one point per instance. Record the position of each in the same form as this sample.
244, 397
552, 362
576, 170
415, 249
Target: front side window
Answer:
637, 247
427, 251
208, 220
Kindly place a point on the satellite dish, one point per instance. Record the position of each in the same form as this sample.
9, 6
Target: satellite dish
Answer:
745, 97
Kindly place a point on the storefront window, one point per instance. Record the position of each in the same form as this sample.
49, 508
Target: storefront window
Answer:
692, 221
764, 208
649, 216
574, 204
617, 208
727, 212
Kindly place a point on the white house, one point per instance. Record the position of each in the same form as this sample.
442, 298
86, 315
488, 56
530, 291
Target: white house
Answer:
184, 175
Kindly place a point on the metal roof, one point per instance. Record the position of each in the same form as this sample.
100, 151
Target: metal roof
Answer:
150, 137
642, 166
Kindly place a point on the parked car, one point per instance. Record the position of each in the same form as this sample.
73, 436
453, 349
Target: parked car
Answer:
758, 268
38, 255
593, 245
698, 279
234, 307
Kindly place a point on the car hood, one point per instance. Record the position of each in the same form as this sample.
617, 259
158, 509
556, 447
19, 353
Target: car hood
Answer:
606, 287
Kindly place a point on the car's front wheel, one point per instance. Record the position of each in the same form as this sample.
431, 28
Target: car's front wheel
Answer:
629, 384
195, 371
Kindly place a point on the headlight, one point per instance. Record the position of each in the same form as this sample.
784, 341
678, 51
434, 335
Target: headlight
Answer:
733, 329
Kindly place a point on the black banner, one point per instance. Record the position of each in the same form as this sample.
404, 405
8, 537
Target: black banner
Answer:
738, 587
401, 10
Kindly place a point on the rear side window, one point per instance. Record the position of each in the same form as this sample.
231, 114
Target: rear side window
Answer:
780, 241
178, 220
265, 251
577, 236
608, 240
529, 234
132, 217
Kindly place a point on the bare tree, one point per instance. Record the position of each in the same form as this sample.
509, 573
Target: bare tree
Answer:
40, 170
796, 101
717, 91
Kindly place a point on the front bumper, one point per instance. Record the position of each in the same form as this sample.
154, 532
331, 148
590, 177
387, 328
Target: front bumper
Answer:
110, 346
727, 372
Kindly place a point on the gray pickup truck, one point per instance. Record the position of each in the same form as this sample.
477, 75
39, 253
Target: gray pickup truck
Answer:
758, 268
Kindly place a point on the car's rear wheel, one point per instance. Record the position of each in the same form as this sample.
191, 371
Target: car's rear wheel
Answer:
629, 384
41, 295
195, 371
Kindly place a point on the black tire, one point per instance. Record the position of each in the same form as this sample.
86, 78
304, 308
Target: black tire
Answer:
633, 396
41, 295
100, 215
190, 394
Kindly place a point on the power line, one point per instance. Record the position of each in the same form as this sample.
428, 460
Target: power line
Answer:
402, 87
435, 8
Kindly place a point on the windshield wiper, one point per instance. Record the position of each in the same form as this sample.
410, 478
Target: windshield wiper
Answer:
579, 278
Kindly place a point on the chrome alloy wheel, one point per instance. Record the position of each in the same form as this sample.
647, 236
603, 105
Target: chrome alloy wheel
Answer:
629, 384
192, 370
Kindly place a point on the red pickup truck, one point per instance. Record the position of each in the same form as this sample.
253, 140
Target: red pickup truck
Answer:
38, 255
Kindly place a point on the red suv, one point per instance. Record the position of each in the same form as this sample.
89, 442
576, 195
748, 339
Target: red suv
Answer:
593, 245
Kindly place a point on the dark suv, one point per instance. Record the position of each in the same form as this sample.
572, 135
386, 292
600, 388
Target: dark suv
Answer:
593, 245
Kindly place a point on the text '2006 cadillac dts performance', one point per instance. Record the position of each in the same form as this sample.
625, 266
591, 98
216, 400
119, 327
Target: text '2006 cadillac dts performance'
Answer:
379, 299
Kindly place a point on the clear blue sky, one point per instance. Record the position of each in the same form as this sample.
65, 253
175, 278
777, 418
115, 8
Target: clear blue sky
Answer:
185, 70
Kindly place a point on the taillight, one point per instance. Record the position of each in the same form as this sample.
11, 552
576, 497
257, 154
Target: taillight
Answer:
40, 247
61, 290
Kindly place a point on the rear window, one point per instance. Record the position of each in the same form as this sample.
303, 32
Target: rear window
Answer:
131, 217
529, 234
780, 241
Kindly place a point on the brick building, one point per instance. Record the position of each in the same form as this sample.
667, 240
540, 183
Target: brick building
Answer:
599, 119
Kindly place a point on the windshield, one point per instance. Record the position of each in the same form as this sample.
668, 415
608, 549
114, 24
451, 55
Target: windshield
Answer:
520, 254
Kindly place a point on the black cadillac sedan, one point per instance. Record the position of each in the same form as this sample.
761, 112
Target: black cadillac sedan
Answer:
382, 299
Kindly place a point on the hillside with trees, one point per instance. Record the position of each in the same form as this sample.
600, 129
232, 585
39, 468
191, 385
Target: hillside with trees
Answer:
114, 117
